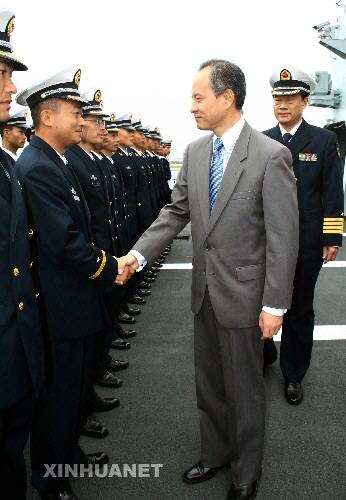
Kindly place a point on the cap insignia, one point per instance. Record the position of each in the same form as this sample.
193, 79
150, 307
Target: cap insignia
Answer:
77, 77
10, 26
285, 75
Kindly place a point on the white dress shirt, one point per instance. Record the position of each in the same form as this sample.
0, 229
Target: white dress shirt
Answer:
229, 138
292, 131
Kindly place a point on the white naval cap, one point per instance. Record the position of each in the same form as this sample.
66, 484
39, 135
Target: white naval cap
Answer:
125, 121
18, 119
7, 19
94, 103
111, 123
291, 81
62, 85
154, 132
137, 122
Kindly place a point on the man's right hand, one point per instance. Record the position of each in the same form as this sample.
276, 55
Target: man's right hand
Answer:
127, 265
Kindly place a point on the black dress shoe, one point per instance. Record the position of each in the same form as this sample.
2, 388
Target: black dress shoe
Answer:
294, 393
94, 428
155, 269
270, 353
149, 274
97, 458
143, 293
246, 492
109, 380
148, 280
116, 364
136, 299
58, 495
126, 334
104, 404
133, 311
144, 285
123, 317
199, 473
120, 344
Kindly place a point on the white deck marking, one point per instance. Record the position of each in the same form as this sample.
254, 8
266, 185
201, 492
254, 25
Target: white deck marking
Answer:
321, 332
325, 332
336, 263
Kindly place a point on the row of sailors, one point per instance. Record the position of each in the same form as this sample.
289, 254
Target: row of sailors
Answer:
78, 197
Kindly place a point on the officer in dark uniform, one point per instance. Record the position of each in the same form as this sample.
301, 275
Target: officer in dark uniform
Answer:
119, 207
123, 161
318, 171
144, 207
21, 342
94, 184
13, 135
166, 149
72, 272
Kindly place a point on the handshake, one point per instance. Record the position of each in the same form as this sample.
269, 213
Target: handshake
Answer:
127, 265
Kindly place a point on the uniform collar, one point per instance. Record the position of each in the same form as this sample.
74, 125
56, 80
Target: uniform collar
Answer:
97, 155
123, 150
88, 153
61, 156
293, 131
12, 155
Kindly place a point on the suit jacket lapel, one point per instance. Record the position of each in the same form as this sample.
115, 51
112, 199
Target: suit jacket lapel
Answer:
203, 172
231, 176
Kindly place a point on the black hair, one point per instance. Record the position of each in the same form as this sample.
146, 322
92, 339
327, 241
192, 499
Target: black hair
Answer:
226, 75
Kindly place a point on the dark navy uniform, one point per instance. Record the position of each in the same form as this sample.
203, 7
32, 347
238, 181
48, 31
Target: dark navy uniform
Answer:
21, 342
9, 159
145, 213
123, 163
93, 180
72, 273
318, 171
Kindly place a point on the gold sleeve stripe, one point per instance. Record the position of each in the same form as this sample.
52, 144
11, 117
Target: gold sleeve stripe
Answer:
100, 269
330, 231
333, 223
333, 226
333, 219
327, 223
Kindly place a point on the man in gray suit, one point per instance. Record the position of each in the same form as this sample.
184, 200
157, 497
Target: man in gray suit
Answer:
237, 188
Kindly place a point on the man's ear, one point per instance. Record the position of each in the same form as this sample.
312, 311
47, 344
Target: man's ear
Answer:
46, 117
229, 97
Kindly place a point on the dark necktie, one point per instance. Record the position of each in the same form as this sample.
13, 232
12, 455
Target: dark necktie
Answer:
286, 138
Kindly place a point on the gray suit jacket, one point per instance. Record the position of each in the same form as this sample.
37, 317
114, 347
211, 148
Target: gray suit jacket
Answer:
245, 252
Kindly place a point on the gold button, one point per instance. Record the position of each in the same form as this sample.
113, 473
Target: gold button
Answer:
16, 272
30, 265
21, 306
37, 295
31, 233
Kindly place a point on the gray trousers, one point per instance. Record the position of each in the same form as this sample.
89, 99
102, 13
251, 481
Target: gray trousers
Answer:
230, 395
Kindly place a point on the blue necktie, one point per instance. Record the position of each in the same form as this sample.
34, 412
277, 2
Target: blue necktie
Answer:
216, 172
